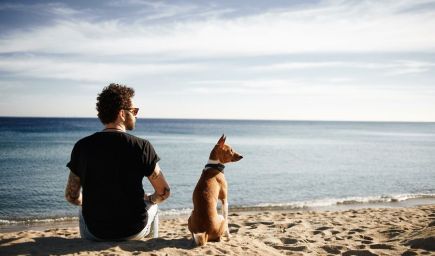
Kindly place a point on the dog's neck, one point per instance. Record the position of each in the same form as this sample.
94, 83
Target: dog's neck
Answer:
214, 164
211, 161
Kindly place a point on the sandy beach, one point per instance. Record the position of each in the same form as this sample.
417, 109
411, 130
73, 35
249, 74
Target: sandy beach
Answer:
380, 231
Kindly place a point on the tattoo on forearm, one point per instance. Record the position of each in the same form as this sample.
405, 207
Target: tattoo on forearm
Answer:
155, 175
72, 191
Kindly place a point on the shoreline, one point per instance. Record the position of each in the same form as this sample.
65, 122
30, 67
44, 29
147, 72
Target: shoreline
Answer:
365, 231
72, 221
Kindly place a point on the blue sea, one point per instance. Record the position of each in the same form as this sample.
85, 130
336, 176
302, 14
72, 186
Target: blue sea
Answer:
289, 164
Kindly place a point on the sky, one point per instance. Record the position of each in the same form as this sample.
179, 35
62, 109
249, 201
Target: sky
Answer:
357, 60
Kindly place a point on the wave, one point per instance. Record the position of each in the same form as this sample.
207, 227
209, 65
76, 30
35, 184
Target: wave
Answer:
349, 201
33, 221
42, 221
175, 212
413, 199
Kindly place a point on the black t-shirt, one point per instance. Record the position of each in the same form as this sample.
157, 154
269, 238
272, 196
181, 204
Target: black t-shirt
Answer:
111, 166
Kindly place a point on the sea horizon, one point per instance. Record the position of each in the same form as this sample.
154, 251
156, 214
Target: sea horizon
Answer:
231, 119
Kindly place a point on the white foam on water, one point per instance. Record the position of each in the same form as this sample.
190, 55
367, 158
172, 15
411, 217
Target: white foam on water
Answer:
347, 201
36, 221
327, 202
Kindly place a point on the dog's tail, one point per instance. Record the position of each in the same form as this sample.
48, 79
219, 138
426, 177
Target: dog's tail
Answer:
200, 238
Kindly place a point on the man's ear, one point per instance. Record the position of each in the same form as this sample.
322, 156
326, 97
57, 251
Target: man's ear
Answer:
121, 114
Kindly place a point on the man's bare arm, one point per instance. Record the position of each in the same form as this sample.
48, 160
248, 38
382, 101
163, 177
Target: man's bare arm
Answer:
160, 185
72, 190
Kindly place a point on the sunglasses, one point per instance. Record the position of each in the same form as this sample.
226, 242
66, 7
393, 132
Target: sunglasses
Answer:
133, 111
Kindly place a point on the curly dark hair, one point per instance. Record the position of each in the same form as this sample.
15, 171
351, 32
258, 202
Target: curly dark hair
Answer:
111, 100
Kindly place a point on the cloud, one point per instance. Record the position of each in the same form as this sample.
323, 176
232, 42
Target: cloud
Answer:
50, 68
315, 87
154, 10
333, 26
308, 87
59, 10
358, 56
397, 67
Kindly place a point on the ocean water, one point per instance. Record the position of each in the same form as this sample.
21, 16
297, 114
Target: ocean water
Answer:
291, 164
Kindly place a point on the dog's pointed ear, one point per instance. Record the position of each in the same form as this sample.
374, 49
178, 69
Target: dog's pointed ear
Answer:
221, 141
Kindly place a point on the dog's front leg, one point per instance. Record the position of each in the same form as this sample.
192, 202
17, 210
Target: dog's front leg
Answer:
225, 215
223, 196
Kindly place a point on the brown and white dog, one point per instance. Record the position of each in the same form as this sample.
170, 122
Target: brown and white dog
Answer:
205, 223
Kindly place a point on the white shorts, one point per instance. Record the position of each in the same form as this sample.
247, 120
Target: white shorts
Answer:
153, 217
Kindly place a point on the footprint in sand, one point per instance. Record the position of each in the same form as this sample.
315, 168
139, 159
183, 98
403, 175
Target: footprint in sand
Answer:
357, 230
367, 238
234, 228
382, 246
267, 223
209, 252
334, 232
409, 253
427, 243
323, 228
391, 233
359, 253
251, 225
288, 240
332, 249
291, 248
285, 225
255, 224
339, 238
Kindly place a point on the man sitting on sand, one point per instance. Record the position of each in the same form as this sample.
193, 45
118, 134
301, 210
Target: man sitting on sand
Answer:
109, 165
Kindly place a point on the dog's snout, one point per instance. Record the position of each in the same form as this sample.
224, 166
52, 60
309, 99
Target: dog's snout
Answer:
238, 157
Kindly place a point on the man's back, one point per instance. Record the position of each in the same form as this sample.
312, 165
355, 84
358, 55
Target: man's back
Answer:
106, 173
111, 166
